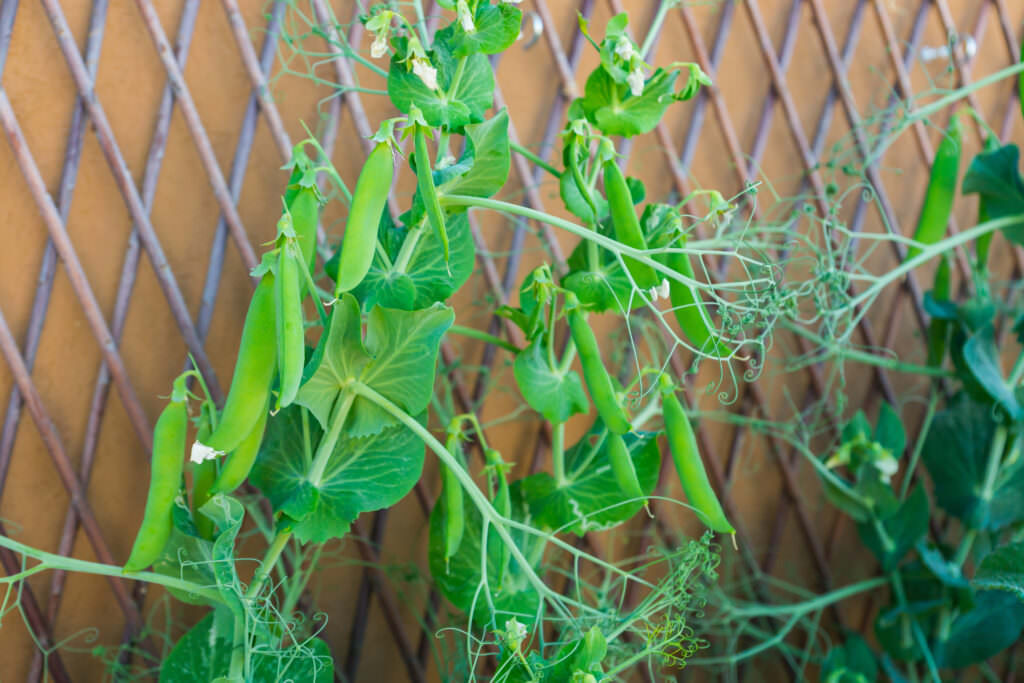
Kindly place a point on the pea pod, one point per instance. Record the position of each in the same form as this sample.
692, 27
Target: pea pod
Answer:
427, 190
303, 204
164, 484
938, 199
599, 383
623, 469
626, 224
368, 201
291, 338
454, 511
686, 455
203, 475
238, 465
254, 369
689, 308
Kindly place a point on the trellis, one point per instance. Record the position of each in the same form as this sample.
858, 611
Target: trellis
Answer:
836, 47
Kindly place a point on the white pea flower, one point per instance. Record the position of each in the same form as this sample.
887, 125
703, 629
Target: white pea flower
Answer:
426, 72
624, 48
511, 2
201, 453
635, 79
660, 291
515, 634
465, 17
380, 45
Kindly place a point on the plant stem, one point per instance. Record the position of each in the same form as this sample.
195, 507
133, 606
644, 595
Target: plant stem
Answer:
269, 560
922, 643
926, 425
537, 161
326, 447
558, 452
474, 333
652, 32
408, 247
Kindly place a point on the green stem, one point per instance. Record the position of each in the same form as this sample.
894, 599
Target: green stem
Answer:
236, 665
269, 560
487, 512
457, 78
326, 447
51, 561
1018, 371
652, 32
922, 643
294, 592
558, 452
865, 357
474, 333
408, 247
536, 160
926, 425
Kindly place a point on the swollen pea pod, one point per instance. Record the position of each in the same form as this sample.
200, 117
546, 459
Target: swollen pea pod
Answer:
368, 201
623, 468
938, 199
599, 383
938, 329
203, 474
454, 511
254, 370
291, 337
689, 466
626, 224
238, 465
428, 192
164, 485
689, 308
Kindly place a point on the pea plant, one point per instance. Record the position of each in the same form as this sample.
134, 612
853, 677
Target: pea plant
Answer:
311, 436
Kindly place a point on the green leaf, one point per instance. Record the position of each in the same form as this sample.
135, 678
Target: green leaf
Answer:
488, 156
474, 93
204, 654
993, 625
460, 579
956, 453
851, 662
554, 394
982, 357
1003, 569
611, 107
995, 177
496, 27
889, 431
590, 498
362, 474
903, 530
397, 360
426, 279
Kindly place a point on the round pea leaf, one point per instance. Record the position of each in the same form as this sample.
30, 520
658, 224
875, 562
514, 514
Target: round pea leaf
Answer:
551, 392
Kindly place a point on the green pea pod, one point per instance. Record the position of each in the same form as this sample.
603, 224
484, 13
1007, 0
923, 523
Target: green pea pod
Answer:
938, 199
368, 202
254, 370
689, 308
692, 475
304, 207
626, 224
238, 465
291, 337
599, 383
428, 193
938, 330
203, 475
623, 468
164, 484
454, 511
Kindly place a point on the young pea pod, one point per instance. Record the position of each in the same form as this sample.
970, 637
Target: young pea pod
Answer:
164, 484
291, 337
938, 199
686, 455
623, 468
238, 465
303, 204
938, 329
598, 382
454, 512
203, 475
689, 308
427, 190
254, 370
626, 224
368, 201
